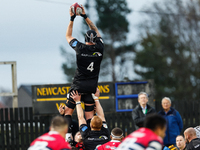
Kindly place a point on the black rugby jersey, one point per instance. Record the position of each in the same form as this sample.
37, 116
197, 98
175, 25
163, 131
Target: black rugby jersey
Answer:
93, 138
88, 59
194, 144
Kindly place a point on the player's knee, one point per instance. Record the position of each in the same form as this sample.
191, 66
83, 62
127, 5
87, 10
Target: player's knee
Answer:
70, 104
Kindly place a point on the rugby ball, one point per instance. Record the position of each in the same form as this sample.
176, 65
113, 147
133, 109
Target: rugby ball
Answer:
76, 9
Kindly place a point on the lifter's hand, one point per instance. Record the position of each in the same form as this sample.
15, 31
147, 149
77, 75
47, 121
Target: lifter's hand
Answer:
62, 109
96, 95
76, 97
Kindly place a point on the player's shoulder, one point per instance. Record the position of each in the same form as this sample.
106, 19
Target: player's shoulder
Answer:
65, 146
59, 143
100, 40
74, 42
84, 129
151, 135
144, 136
113, 143
104, 125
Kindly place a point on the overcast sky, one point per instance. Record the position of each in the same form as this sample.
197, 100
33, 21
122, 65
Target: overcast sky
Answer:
31, 32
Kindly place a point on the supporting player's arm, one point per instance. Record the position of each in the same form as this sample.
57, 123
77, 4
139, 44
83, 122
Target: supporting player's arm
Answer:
89, 22
80, 114
70, 27
99, 109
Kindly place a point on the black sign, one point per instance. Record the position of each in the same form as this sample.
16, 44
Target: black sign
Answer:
47, 98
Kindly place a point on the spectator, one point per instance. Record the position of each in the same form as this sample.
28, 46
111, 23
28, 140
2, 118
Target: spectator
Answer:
174, 122
142, 110
99, 132
55, 138
116, 138
147, 138
197, 129
191, 139
180, 142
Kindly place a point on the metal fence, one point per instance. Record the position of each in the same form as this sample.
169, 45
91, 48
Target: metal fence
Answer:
19, 127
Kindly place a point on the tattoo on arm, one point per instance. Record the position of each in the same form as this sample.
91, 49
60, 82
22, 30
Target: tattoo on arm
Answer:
92, 26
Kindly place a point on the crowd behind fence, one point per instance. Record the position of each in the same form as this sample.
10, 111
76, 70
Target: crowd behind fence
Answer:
18, 126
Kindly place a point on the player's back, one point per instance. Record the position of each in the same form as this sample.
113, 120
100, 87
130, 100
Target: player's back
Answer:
111, 145
141, 139
88, 58
50, 141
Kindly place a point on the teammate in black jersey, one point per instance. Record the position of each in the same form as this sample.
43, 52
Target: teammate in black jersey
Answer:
97, 133
88, 58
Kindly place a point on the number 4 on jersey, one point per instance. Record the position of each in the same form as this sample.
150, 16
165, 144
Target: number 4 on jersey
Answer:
90, 67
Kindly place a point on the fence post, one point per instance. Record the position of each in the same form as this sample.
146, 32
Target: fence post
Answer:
16, 128
2, 135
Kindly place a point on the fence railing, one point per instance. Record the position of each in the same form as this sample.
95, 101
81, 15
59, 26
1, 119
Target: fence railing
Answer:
19, 127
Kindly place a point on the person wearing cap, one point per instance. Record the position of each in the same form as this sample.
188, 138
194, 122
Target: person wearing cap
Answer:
116, 138
88, 58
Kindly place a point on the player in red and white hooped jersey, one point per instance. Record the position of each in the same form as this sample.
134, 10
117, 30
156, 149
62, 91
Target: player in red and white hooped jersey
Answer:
116, 138
55, 138
148, 138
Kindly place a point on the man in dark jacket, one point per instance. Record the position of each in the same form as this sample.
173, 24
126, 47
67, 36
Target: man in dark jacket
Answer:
140, 112
174, 122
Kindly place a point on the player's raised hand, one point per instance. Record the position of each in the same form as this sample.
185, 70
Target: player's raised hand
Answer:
76, 97
83, 10
73, 16
70, 11
61, 109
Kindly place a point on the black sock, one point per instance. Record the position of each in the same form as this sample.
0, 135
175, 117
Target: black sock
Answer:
69, 120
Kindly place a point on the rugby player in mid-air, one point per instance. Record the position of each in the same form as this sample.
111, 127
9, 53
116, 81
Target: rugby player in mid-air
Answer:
88, 59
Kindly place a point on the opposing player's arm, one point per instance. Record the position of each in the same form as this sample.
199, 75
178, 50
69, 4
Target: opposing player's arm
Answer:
80, 114
89, 22
70, 26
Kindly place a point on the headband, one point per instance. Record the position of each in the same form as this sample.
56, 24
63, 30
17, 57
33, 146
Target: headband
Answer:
117, 137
